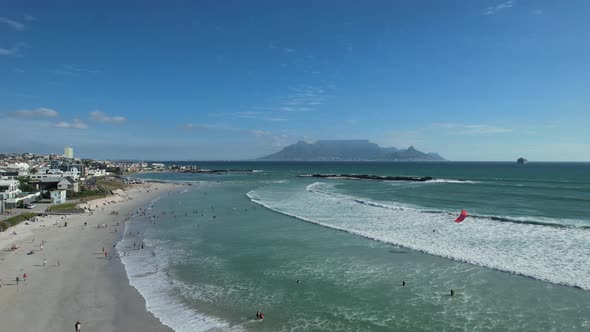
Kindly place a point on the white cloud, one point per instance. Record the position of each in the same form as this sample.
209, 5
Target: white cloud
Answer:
537, 12
100, 116
247, 114
276, 119
12, 23
209, 126
29, 17
472, 129
258, 132
72, 70
492, 10
76, 124
41, 112
15, 50
302, 98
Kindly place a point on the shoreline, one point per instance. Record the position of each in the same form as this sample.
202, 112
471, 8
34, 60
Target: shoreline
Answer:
84, 286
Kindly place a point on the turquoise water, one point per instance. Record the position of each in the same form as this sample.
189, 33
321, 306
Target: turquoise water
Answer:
234, 244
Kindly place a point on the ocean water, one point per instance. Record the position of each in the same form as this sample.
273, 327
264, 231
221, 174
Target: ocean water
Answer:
229, 245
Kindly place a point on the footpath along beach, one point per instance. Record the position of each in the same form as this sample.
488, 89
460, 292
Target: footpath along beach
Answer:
84, 286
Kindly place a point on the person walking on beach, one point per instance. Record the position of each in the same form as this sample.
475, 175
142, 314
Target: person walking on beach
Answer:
77, 326
58, 264
105, 255
17, 279
44, 262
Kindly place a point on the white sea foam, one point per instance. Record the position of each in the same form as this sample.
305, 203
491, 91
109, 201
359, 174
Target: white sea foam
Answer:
553, 254
147, 272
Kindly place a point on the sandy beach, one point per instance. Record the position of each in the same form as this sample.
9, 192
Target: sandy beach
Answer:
85, 286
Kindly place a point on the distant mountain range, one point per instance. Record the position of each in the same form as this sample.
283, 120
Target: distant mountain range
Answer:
348, 150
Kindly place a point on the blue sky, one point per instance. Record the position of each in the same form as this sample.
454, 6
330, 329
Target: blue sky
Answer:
199, 80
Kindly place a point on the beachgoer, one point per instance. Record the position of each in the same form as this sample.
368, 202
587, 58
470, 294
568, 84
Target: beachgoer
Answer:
298, 281
452, 292
78, 326
17, 280
44, 262
25, 277
58, 264
403, 283
261, 316
105, 254
258, 314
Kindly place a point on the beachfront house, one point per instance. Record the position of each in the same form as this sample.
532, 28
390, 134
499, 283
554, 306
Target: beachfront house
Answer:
9, 189
58, 196
68, 183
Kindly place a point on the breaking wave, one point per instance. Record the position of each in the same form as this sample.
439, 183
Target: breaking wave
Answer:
552, 250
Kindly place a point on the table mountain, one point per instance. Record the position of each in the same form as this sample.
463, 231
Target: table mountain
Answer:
348, 150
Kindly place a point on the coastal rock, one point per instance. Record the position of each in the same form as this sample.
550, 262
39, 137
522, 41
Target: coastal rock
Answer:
368, 177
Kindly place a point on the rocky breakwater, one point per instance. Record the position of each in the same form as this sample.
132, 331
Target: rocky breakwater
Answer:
368, 177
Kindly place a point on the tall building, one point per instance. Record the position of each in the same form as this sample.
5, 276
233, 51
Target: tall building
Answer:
68, 152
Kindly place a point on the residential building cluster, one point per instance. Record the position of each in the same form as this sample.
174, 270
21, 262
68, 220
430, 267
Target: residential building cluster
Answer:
25, 178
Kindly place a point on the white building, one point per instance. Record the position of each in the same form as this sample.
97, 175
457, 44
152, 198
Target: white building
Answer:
68, 183
97, 172
68, 152
58, 196
9, 189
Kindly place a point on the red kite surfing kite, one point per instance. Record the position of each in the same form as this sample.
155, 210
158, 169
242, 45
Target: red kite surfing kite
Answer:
462, 216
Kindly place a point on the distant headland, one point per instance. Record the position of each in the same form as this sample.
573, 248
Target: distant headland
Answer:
348, 150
